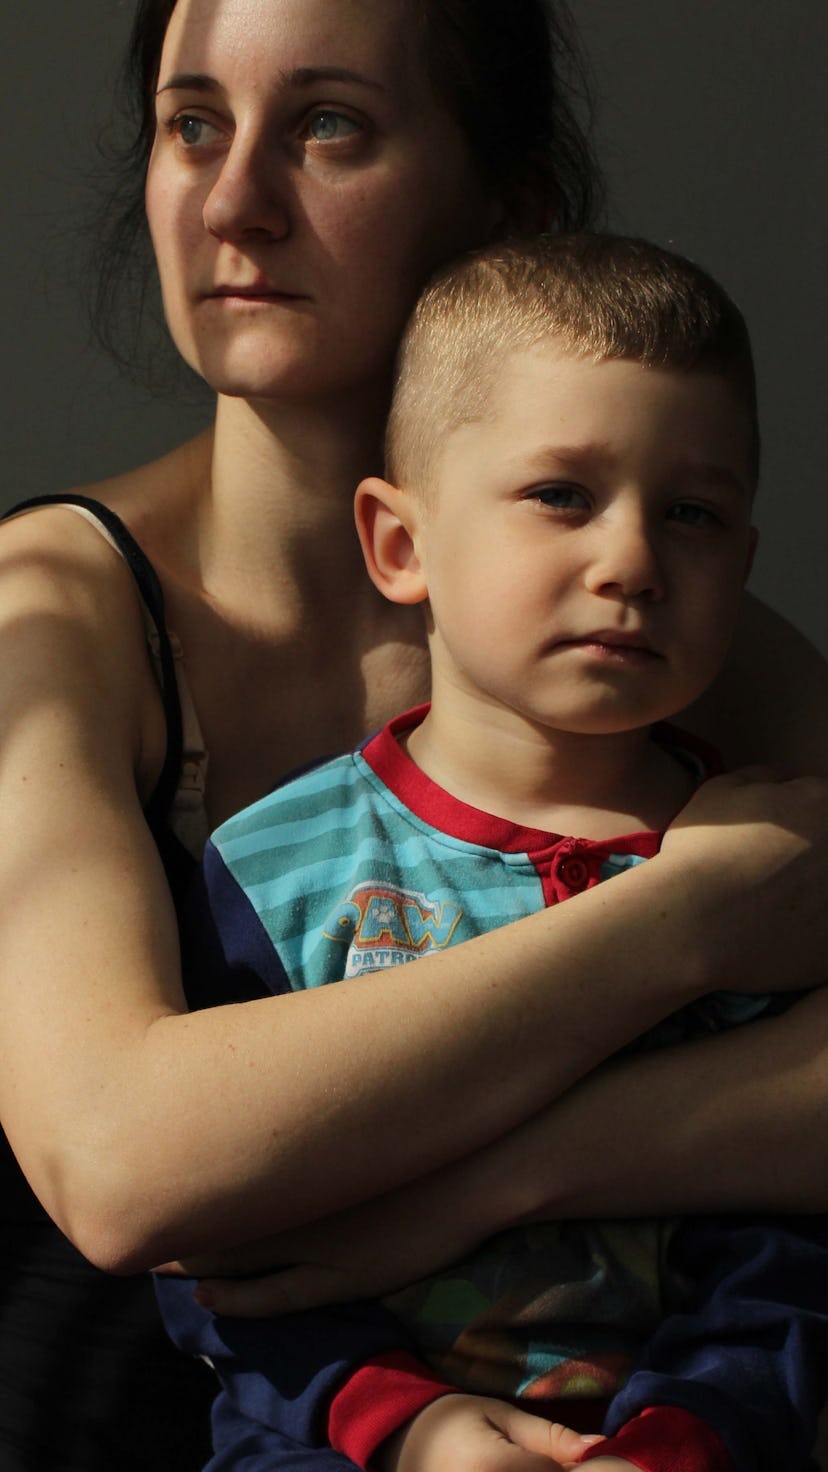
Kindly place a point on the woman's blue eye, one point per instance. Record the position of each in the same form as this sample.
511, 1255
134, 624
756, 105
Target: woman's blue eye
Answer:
561, 497
328, 127
192, 130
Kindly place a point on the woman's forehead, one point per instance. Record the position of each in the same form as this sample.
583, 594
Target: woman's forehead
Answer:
368, 36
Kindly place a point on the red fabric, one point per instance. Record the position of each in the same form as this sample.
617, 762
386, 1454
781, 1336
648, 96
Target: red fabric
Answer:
666, 1439
377, 1400
389, 1390
386, 756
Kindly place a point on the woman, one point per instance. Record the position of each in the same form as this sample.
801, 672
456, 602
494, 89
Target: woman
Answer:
309, 162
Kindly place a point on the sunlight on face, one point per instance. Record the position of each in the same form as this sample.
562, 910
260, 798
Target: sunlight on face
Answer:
585, 544
303, 183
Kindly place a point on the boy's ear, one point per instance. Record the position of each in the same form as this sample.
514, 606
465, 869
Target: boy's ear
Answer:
386, 522
751, 552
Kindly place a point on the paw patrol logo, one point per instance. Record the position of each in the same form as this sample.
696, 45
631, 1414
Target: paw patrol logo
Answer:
384, 926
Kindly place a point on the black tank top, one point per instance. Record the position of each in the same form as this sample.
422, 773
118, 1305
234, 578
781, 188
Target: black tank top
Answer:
89, 1381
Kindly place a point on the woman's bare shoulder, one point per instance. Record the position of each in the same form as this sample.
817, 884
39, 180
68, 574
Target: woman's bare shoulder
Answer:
770, 702
71, 625
155, 501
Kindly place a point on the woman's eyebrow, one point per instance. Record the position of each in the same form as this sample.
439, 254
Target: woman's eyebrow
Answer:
188, 82
301, 76
306, 76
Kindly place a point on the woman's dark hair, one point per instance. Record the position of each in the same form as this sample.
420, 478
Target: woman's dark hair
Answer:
512, 75
510, 72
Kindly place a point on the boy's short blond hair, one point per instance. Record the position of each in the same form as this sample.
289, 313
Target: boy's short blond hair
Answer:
602, 296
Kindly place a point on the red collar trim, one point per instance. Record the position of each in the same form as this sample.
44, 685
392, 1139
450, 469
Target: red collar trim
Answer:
439, 809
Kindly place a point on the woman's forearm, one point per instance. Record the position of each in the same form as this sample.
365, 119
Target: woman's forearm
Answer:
446, 1055
736, 1122
164, 1134
378, 1082
770, 702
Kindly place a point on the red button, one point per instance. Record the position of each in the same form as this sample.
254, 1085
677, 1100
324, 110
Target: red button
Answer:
574, 873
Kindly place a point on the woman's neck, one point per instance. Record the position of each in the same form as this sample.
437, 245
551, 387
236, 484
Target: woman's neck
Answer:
276, 529
290, 650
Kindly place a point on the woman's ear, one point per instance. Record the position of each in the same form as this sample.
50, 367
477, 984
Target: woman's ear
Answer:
386, 521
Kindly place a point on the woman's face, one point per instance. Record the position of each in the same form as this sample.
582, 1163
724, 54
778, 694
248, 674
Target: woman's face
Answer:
303, 183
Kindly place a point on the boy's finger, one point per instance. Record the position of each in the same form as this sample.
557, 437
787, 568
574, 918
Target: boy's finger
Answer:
549, 1439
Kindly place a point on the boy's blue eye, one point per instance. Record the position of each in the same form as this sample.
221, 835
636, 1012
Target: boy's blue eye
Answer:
690, 513
561, 496
328, 126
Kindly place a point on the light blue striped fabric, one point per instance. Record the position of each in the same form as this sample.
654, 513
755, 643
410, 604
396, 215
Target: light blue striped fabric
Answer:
345, 878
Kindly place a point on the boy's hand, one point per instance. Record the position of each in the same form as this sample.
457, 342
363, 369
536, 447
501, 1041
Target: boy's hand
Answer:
611, 1464
470, 1433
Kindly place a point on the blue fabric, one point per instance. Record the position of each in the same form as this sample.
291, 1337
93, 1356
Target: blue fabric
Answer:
745, 1351
748, 1353
280, 1374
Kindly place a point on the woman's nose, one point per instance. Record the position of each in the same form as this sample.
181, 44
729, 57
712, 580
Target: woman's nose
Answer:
626, 563
247, 197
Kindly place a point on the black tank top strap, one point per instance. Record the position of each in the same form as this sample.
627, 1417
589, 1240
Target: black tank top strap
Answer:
149, 588
72, 1335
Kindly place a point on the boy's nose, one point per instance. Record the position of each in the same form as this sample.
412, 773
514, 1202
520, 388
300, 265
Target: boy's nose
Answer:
626, 564
247, 197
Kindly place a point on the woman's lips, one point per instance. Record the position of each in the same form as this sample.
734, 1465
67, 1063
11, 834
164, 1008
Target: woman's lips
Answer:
256, 293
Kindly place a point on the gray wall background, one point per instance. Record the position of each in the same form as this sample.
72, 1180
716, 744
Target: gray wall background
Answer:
712, 128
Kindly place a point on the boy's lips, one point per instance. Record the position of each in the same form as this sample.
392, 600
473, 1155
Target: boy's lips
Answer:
617, 642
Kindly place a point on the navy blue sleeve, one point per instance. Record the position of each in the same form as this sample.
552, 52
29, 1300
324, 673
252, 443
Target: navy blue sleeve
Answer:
748, 1353
280, 1374
243, 1446
227, 955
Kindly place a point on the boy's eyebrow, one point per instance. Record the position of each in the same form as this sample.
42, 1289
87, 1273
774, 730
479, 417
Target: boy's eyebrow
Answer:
301, 76
720, 476
600, 453
574, 455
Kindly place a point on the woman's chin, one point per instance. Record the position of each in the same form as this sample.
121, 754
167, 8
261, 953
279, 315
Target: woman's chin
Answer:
285, 374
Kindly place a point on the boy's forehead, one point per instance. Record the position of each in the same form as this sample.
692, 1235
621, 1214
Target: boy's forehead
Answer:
571, 378
555, 393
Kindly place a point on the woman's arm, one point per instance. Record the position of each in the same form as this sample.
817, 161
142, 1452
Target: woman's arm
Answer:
770, 702
737, 1122
148, 1132
699, 1127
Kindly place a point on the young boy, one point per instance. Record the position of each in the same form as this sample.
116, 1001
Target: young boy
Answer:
572, 458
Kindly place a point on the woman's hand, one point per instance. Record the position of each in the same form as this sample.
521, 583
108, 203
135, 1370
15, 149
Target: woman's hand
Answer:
770, 701
469, 1433
364, 1252
768, 835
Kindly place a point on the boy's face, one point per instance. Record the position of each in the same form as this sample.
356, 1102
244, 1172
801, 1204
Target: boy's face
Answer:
585, 546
